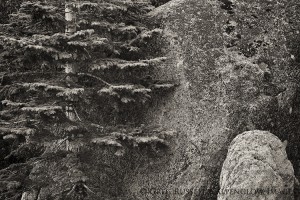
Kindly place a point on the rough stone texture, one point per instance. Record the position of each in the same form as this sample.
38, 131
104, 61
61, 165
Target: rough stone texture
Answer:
237, 65
256, 167
32, 195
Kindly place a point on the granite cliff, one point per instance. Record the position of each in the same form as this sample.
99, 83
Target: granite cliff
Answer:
237, 64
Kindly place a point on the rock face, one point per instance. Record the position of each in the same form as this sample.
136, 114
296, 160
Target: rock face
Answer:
256, 167
236, 62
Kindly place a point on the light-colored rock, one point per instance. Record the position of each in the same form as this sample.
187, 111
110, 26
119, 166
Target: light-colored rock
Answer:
29, 195
257, 168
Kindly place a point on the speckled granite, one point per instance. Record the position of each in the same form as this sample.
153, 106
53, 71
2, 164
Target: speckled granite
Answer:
237, 65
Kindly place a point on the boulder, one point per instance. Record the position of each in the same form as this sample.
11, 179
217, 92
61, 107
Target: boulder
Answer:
257, 168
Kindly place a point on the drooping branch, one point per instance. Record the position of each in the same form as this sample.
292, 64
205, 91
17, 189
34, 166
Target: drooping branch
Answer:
95, 77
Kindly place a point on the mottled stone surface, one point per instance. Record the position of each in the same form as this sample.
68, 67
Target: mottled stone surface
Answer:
29, 195
256, 167
237, 65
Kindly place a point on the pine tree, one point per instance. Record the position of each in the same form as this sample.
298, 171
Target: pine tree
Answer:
76, 78
157, 3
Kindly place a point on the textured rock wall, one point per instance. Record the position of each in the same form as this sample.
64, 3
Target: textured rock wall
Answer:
236, 62
256, 167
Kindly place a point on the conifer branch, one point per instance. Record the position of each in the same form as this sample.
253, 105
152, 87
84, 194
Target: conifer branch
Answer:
95, 77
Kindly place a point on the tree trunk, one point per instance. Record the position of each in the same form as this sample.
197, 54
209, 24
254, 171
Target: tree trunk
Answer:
70, 68
70, 17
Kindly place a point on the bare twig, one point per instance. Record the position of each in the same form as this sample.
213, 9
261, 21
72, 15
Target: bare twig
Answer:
197, 148
65, 139
72, 190
96, 77
77, 115
86, 187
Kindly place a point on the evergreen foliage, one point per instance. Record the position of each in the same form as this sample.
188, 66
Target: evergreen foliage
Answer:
68, 97
157, 3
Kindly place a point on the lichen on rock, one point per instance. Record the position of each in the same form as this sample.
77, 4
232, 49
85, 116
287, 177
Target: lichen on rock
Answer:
257, 167
233, 60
